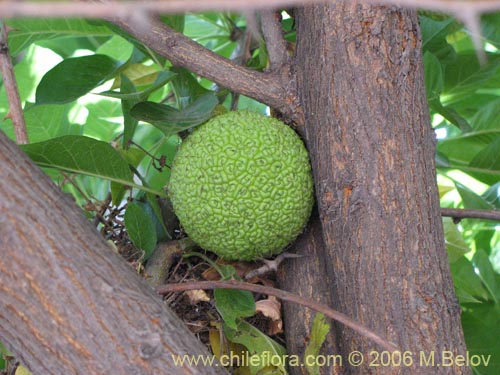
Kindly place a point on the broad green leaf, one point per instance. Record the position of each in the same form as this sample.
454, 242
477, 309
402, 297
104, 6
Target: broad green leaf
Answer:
186, 88
73, 78
78, 154
171, 120
434, 33
433, 76
455, 243
487, 117
49, 121
83, 155
488, 160
27, 31
481, 324
489, 28
472, 200
318, 336
466, 75
462, 149
118, 48
140, 228
492, 195
104, 120
468, 285
487, 274
233, 304
258, 344
160, 80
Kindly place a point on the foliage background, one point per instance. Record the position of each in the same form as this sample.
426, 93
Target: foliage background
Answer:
86, 78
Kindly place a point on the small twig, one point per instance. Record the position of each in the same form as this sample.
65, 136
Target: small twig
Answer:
285, 296
273, 35
458, 213
9, 80
271, 265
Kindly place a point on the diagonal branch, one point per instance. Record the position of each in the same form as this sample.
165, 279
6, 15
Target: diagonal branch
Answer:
268, 88
285, 296
9, 80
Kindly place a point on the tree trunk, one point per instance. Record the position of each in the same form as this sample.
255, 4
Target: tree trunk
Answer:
68, 303
360, 82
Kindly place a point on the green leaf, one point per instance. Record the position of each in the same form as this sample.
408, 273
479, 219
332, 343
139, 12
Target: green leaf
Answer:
118, 48
472, 200
466, 75
233, 304
140, 228
27, 31
162, 79
186, 88
78, 154
434, 33
488, 159
451, 115
487, 274
487, 117
73, 78
455, 243
468, 285
156, 213
318, 336
49, 121
462, 149
489, 28
480, 323
129, 122
171, 120
83, 155
258, 344
433, 76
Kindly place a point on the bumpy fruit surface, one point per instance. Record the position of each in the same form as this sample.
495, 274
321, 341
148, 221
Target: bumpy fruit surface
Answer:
241, 185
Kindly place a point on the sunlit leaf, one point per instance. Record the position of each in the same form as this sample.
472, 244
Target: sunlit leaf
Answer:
27, 31
73, 78
455, 243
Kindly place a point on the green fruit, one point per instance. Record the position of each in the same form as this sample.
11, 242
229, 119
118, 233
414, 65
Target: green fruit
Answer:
241, 185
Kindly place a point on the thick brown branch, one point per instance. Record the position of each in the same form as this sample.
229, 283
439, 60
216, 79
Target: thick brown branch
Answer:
285, 296
458, 213
9, 80
267, 88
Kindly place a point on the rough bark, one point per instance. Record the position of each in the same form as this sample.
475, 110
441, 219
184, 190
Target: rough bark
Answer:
360, 81
68, 303
307, 276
